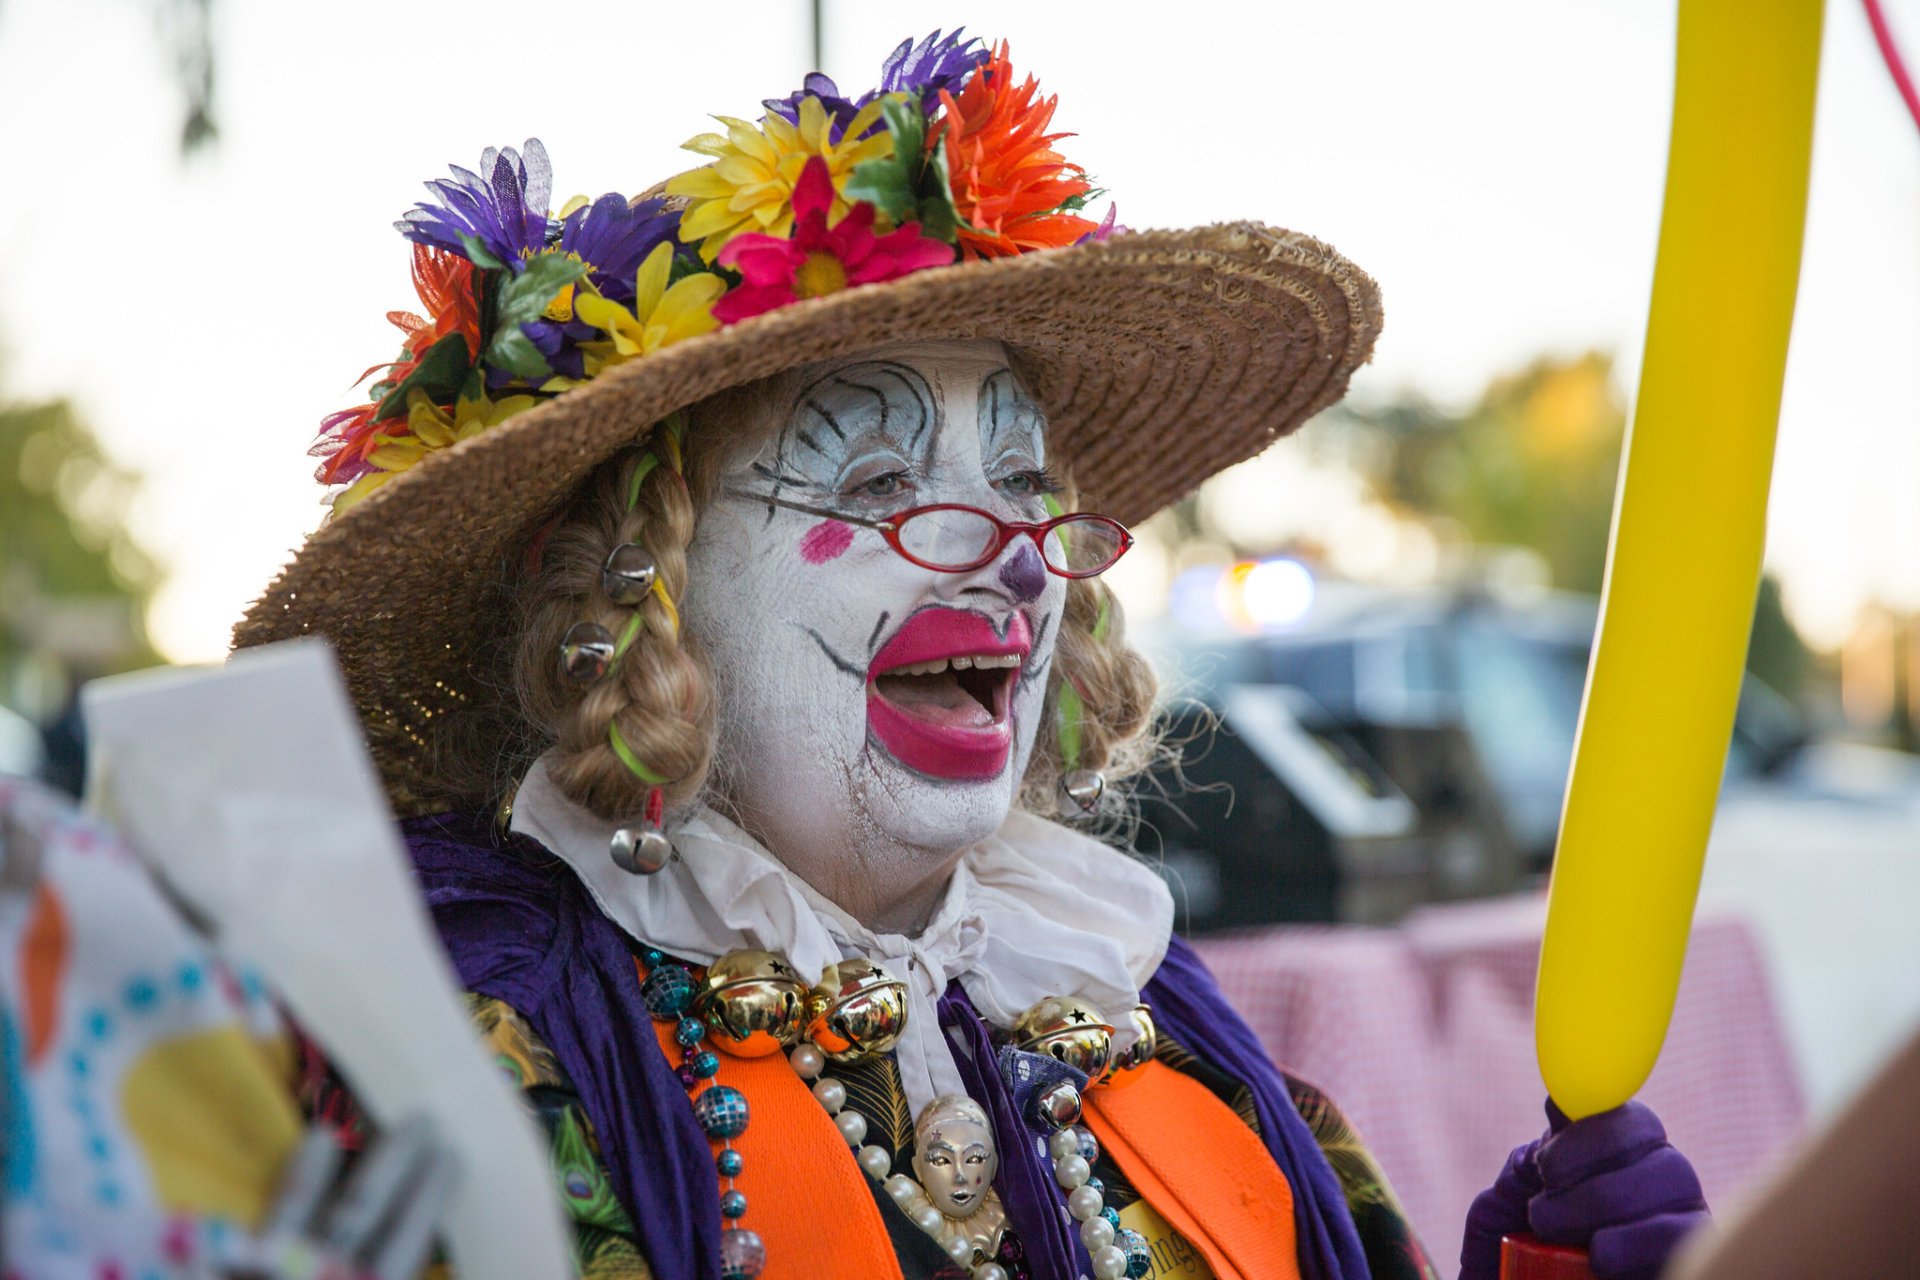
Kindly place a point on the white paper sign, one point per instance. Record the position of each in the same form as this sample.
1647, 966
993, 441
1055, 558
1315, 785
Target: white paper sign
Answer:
248, 787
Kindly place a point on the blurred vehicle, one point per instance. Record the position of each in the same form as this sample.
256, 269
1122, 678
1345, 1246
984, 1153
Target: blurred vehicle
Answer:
1442, 726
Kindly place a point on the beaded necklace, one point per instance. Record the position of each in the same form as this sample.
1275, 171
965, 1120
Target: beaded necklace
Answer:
751, 1003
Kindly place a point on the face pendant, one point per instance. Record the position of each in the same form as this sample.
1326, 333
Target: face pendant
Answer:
954, 1155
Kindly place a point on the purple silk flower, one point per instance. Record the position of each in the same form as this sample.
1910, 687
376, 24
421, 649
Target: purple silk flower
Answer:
503, 207
924, 69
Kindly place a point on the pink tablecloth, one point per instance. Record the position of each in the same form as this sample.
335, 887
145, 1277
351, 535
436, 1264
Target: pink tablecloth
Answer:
1423, 1035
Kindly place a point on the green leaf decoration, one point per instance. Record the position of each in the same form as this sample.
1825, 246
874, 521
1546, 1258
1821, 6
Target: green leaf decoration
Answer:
523, 297
908, 125
938, 216
1074, 204
910, 185
885, 185
514, 351
440, 374
479, 255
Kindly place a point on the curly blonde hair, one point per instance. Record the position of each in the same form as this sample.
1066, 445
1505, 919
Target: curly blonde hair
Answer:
659, 695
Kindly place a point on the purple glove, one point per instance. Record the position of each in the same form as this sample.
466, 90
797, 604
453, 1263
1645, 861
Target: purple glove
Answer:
1610, 1183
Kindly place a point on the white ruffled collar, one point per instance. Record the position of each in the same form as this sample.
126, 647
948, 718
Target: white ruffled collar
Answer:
1034, 910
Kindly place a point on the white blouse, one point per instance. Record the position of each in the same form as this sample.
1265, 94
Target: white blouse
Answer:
1034, 910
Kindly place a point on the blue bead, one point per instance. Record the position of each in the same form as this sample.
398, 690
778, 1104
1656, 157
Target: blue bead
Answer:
1099, 1186
1139, 1253
721, 1111
1112, 1215
743, 1255
729, 1163
733, 1205
690, 1032
704, 1064
668, 992
653, 956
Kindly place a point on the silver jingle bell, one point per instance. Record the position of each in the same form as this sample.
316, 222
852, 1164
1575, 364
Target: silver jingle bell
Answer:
628, 574
642, 850
586, 651
1080, 792
1058, 1105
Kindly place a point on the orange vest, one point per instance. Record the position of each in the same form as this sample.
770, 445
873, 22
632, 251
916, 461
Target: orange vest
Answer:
1185, 1151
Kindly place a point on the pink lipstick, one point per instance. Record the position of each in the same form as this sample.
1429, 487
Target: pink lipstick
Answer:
940, 693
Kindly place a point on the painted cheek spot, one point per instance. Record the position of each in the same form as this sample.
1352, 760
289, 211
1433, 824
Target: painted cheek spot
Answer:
1023, 575
825, 541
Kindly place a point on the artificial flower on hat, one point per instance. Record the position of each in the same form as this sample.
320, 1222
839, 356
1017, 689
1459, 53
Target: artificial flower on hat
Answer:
946, 159
821, 257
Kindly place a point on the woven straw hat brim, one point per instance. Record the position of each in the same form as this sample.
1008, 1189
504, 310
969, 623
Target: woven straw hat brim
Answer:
1160, 357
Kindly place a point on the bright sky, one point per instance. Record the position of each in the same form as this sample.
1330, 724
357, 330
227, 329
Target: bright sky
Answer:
1496, 164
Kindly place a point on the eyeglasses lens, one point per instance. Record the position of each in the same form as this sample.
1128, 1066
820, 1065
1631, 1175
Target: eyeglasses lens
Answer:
949, 539
1083, 546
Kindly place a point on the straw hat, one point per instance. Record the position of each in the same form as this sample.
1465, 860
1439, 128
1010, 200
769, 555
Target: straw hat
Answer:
1160, 357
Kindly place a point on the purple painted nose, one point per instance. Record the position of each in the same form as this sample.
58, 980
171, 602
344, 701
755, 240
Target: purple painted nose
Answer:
1023, 575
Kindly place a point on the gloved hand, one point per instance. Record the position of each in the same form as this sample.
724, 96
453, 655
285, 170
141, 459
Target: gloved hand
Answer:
1610, 1183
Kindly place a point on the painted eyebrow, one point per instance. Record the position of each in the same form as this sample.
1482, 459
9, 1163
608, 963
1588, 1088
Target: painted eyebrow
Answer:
869, 377
1001, 413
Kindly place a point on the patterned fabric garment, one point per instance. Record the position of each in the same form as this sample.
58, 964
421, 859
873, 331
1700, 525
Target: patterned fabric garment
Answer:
605, 1241
145, 1108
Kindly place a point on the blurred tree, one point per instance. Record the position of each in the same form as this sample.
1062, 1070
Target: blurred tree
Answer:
1533, 463
1530, 465
74, 583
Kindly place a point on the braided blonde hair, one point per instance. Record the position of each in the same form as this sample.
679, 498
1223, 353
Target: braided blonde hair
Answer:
658, 697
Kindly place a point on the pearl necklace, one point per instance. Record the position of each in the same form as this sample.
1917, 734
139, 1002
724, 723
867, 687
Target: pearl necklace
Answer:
757, 1005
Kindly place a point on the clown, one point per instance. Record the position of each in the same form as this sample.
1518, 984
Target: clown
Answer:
717, 574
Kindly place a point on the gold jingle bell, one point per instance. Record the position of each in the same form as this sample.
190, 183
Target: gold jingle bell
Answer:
753, 1002
1069, 1030
858, 1011
1126, 1064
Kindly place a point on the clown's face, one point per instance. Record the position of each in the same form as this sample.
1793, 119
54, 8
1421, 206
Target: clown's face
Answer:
876, 715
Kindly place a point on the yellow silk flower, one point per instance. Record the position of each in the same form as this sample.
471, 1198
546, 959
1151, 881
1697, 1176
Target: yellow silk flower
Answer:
662, 315
429, 430
749, 186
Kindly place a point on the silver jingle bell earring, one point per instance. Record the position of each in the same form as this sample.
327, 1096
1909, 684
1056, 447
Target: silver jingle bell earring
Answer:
1080, 793
642, 848
628, 574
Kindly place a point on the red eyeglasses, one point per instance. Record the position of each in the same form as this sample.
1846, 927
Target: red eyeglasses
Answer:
949, 537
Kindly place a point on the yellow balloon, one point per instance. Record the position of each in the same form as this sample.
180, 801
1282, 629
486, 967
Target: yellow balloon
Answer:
1689, 523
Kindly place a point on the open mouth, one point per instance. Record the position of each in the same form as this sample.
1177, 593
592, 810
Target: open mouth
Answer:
940, 693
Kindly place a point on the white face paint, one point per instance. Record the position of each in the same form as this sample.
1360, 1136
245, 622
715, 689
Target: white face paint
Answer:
876, 716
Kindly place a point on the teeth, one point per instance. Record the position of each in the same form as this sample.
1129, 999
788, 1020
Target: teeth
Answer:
962, 662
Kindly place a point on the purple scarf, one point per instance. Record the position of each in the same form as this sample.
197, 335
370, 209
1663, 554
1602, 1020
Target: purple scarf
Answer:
521, 928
